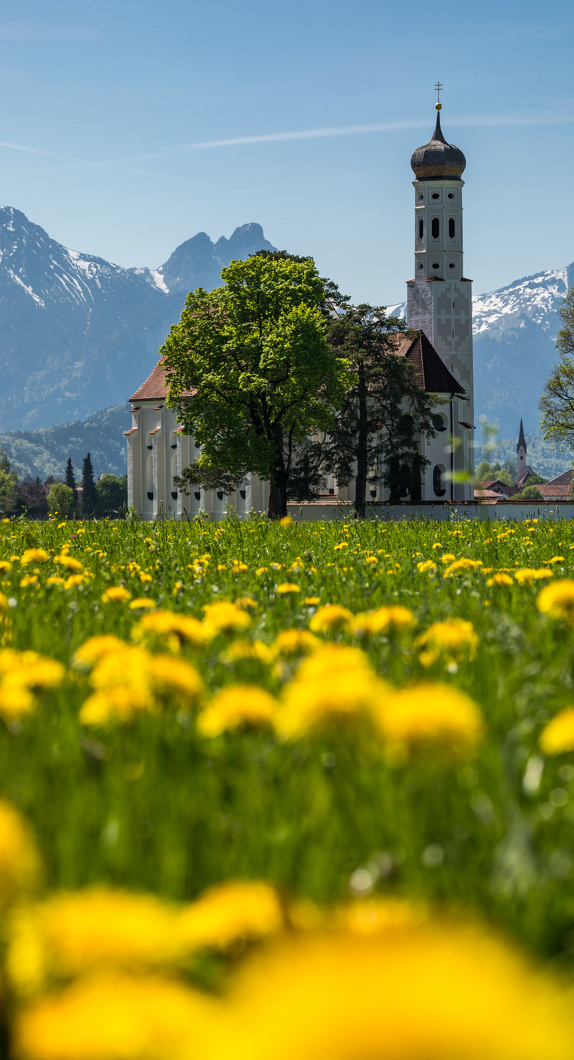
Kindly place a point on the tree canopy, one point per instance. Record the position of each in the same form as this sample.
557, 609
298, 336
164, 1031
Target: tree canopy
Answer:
262, 378
384, 411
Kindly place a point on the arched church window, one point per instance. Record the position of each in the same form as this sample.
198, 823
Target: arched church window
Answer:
438, 483
435, 227
451, 227
440, 421
421, 228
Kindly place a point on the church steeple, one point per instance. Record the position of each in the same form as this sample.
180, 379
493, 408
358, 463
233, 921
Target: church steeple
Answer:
521, 454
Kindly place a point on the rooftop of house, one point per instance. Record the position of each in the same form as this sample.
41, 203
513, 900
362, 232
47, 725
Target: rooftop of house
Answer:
154, 388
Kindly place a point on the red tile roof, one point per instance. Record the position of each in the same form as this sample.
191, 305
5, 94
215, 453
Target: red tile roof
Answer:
554, 490
154, 388
432, 373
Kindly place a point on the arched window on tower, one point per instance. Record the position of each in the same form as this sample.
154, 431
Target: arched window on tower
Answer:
435, 227
421, 228
451, 227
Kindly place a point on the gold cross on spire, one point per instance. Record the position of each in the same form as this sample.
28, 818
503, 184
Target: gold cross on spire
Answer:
438, 88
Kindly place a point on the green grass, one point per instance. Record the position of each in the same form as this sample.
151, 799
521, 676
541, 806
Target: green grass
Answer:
152, 806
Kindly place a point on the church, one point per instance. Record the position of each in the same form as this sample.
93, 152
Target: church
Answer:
439, 308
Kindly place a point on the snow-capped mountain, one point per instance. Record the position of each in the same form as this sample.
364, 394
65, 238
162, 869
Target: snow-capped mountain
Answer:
514, 346
78, 333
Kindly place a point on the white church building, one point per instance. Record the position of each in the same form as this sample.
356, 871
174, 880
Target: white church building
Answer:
439, 307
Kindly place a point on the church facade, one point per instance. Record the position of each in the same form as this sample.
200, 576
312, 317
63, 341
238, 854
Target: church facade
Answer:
439, 308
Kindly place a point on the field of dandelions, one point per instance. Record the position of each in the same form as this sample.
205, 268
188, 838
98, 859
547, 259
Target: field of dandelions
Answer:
277, 791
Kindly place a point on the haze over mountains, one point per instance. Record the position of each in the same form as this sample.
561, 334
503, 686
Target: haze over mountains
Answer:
79, 334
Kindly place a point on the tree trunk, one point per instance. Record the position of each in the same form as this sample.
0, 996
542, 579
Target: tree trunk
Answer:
277, 506
362, 444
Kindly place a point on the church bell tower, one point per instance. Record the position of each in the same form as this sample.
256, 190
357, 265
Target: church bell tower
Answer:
439, 298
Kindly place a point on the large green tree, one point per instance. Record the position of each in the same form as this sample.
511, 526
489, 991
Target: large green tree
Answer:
383, 413
262, 378
557, 401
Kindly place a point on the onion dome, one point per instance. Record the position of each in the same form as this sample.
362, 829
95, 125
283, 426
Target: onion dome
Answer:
438, 160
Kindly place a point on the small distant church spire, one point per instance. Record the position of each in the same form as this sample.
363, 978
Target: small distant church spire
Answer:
521, 454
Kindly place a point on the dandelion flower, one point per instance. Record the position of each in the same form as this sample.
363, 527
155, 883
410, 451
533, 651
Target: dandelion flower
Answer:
239, 706
334, 685
293, 642
141, 603
527, 574
69, 562
119, 1018
463, 564
19, 860
413, 992
225, 617
248, 651
451, 639
382, 620
429, 715
426, 565
500, 579
557, 600
229, 912
116, 594
330, 618
34, 555
95, 648
288, 587
173, 628
558, 736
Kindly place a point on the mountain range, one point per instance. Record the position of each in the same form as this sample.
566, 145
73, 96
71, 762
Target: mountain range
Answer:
78, 333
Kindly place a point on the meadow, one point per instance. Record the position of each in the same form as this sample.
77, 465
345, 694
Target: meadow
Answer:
354, 739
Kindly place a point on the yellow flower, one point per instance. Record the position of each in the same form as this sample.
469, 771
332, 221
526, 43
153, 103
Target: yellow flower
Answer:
95, 929
462, 565
286, 521
332, 686
236, 707
500, 579
288, 587
54, 579
145, 577
34, 555
450, 639
558, 736
245, 650
411, 992
229, 912
116, 593
429, 714
260, 571
75, 580
312, 601
141, 603
247, 603
130, 680
556, 559
119, 1018
173, 628
68, 561
426, 565
95, 648
342, 544
177, 678
557, 600
5, 566
293, 642
19, 860
225, 617
382, 620
28, 579
448, 557
22, 675
330, 618
529, 575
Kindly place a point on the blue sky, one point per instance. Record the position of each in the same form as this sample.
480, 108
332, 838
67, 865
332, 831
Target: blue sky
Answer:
110, 108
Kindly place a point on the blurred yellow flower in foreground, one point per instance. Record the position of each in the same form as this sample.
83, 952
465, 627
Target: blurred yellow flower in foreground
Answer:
34, 555
23, 674
426, 565
500, 579
130, 679
429, 715
248, 650
383, 620
119, 1018
116, 594
229, 912
330, 618
95, 648
558, 736
68, 561
19, 860
463, 564
225, 617
94, 929
288, 587
239, 706
333, 685
293, 642
429, 992
451, 639
141, 603
557, 600
286, 521
528, 574
173, 628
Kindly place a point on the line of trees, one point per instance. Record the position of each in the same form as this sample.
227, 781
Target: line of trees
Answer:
37, 499
288, 380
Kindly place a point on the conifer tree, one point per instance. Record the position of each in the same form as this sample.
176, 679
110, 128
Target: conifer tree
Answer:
71, 480
89, 492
